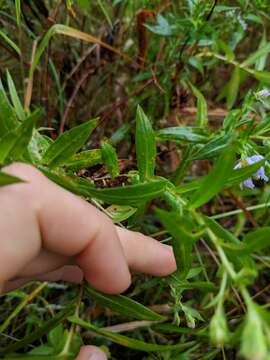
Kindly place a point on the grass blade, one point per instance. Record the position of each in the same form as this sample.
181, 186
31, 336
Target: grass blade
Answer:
68, 143
145, 145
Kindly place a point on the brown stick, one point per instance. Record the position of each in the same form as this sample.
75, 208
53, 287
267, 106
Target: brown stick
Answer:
72, 98
239, 203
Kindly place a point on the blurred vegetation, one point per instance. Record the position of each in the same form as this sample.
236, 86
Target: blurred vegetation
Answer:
157, 112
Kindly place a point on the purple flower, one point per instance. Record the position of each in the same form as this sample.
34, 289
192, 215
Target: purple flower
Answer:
258, 175
262, 94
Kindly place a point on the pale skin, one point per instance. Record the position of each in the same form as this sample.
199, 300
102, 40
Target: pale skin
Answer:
51, 234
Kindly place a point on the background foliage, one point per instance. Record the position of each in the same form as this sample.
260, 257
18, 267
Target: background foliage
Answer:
157, 112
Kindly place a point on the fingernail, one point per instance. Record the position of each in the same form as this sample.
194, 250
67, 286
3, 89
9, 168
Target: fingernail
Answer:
168, 248
98, 355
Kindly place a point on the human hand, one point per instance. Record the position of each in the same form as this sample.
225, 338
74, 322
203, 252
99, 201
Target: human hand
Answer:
52, 234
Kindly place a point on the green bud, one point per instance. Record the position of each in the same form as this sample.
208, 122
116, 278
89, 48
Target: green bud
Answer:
219, 332
253, 346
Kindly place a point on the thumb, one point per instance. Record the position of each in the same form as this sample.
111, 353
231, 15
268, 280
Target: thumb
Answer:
91, 353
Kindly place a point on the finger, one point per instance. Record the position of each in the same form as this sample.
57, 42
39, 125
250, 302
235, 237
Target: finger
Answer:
20, 239
91, 353
44, 262
68, 273
70, 226
145, 254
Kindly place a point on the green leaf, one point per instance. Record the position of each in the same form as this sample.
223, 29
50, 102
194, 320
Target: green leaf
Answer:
122, 195
18, 11
120, 213
124, 306
233, 87
6, 144
10, 42
120, 134
41, 351
225, 49
182, 238
39, 331
220, 232
216, 180
23, 135
237, 176
182, 133
84, 4
232, 246
84, 159
145, 145
6, 179
231, 119
55, 336
8, 119
161, 28
198, 285
261, 61
15, 98
262, 52
256, 240
68, 143
110, 159
197, 63
212, 148
191, 315
38, 146
201, 116
263, 76
128, 342
125, 195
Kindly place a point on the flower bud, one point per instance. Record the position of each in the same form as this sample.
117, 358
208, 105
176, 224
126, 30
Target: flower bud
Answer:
253, 346
219, 332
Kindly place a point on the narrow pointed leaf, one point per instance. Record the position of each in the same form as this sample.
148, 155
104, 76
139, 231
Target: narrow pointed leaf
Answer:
68, 143
10, 42
183, 134
24, 135
6, 144
145, 145
84, 159
15, 98
233, 87
124, 305
127, 341
8, 119
237, 176
125, 195
262, 52
6, 179
110, 159
40, 331
201, 116
212, 148
256, 240
216, 180
120, 213
182, 239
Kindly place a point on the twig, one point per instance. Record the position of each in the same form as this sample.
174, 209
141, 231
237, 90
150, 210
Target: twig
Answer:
73, 96
238, 202
29, 81
123, 102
